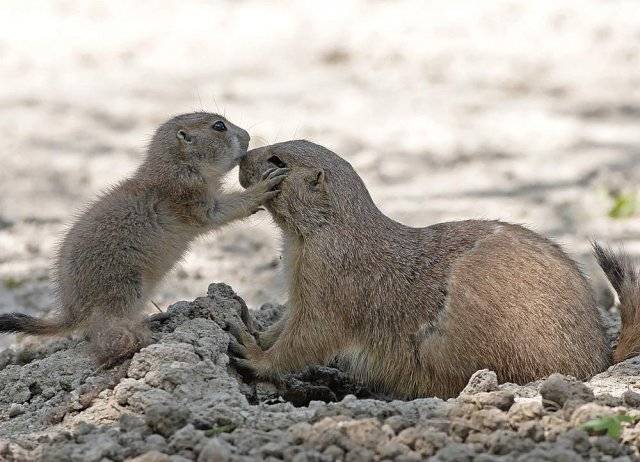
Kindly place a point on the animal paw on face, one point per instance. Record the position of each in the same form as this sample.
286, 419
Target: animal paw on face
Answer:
267, 188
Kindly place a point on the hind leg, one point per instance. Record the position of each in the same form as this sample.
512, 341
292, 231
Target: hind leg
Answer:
114, 340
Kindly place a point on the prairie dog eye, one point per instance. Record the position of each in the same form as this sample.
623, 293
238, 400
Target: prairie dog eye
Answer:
219, 126
275, 160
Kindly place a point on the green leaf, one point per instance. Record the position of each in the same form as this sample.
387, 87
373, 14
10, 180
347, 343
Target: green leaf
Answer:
228, 428
611, 425
597, 425
12, 283
624, 205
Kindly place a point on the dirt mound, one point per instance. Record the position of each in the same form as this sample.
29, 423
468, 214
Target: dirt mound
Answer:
178, 400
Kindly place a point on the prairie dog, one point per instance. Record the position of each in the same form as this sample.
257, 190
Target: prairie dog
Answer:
117, 251
413, 311
624, 277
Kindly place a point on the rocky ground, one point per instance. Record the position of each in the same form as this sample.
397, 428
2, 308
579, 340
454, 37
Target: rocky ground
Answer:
179, 400
522, 111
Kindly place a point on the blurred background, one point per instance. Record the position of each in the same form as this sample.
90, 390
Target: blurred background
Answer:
524, 111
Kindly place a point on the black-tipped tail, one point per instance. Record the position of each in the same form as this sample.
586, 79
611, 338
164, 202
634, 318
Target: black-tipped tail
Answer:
625, 279
18, 322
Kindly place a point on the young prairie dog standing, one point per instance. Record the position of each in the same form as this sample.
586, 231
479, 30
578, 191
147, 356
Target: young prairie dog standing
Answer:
117, 251
414, 311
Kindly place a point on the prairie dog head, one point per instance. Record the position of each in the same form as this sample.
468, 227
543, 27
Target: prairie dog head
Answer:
199, 143
321, 187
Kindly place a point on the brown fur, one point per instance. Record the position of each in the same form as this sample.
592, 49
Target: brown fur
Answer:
117, 251
414, 311
624, 277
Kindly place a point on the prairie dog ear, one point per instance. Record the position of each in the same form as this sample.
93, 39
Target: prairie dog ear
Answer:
318, 180
184, 136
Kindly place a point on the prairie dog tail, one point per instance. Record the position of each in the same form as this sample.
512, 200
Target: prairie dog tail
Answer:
625, 279
18, 322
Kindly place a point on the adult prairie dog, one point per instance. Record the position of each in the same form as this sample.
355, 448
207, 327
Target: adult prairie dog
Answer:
117, 251
414, 311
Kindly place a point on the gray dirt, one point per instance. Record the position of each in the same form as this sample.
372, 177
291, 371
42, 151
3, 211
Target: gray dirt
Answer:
179, 400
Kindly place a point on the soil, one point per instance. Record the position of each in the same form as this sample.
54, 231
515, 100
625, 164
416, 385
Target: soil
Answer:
178, 399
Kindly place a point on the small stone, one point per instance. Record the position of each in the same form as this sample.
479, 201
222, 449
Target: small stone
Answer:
606, 445
408, 436
608, 400
179, 458
84, 428
156, 442
411, 456
308, 456
590, 411
576, 439
524, 411
334, 452
485, 458
186, 439
215, 450
359, 454
166, 418
300, 432
130, 422
481, 381
558, 389
532, 429
397, 423
553, 426
430, 442
365, 432
391, 450
456, 452
272, 449
16, 409
152, 456
503, 400
631, 398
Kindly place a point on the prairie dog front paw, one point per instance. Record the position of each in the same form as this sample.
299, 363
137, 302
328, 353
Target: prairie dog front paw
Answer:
265, 189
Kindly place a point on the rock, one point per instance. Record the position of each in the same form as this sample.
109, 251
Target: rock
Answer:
215, 450
391, 450
481, 381
590, 411
631, 398
152, 456
500, 399
316, 383
607, 445
524, 411
558, 389
16, 409
367, 432
179, 400
165, 419
456, 452
398, 423
333, 452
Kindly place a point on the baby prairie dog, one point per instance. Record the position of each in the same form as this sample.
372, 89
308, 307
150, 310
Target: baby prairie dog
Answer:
416, 311
117, 251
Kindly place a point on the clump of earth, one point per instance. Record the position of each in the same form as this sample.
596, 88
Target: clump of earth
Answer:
179, 400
